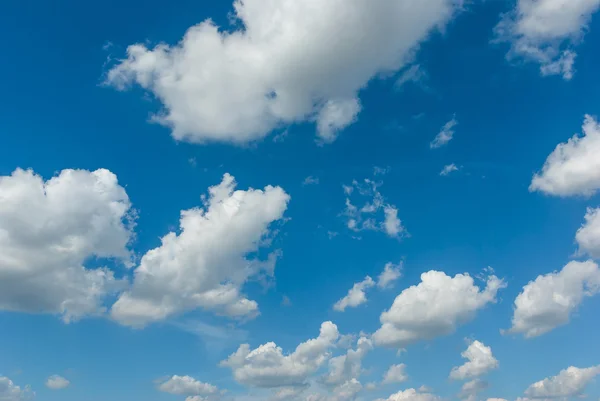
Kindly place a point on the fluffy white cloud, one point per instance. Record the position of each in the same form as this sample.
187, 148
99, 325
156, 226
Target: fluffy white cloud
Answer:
395, 374
445, 135
267, 366
56, 382
9, 391
470, 389
237, 86
481, 361
206, 264
368, 217
356, 295
49, 229
391, 272
544, 31
573, 168
548, 301
411, 395
186, 385
433, 308
569, 382
346, 367
448, 169
588, 236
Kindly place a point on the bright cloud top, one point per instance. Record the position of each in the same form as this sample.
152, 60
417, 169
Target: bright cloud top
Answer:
411, 395
267, 366
435, 307
237, 86
206, 265
573, 168
544, 31
549, 300
48, 229
186, 385
480, 361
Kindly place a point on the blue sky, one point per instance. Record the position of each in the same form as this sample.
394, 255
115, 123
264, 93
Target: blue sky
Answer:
326, 114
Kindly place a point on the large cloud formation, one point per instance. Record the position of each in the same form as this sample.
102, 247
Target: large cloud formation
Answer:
289, 61
50, 229
206, 264
434, 307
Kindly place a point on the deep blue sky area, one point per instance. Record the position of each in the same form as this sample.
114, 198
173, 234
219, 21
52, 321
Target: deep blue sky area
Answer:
58, 112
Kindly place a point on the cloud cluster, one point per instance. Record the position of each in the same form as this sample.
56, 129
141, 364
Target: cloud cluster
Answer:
435, 307
573, 168
206, 264
548, 301
588, 236
50, 229
480, 361
569, 382
546, 31
238, 85
267, 366
375, 214
9, 391
186, 385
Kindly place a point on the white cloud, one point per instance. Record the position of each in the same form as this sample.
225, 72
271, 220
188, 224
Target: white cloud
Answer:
49, 229
345, 368
9, 391
276, 69
368, 217
588, 236
481, 361
414, 73
267, 366
206, 264
356, 295
545, 31
395, 374
411, 395
548, 301
310, 180
445, 135
471, 388
569, 382
186, 385
391, 272
56, 382
573, 168
434, 307
448, 169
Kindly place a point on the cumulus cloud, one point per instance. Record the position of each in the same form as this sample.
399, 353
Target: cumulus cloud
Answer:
569, 382
445, 135
50, 229
573, 168
411, 395
207, 263
448, 169
186, 385
267, 366
470, 389
9, 391
275, 69
345, 368
548, 301
56, 382
391, 272
356, 295
395, 374
546, 32
370, 216
480, 361
435, 307
588, 236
